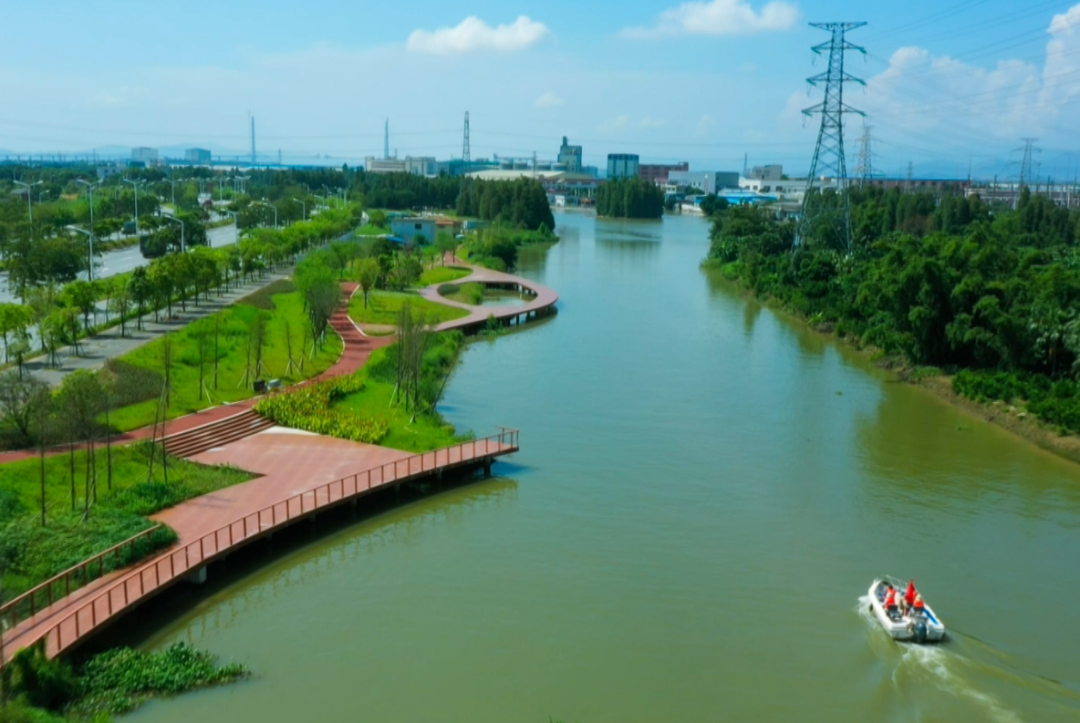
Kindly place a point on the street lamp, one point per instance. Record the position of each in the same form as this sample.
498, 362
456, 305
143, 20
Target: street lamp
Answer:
236, 225
29, 196
90, 187
135, 188
268, 205
326, 202
174, 218
221, 189
90, 236
243, 183
304, 205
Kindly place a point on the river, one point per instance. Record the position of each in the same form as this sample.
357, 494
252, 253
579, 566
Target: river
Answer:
705, 490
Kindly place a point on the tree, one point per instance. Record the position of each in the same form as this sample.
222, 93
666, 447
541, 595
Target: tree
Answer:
20, 397
445, 243
142, 291
80, 399
367, 274
121, 303
15, 319
82, 295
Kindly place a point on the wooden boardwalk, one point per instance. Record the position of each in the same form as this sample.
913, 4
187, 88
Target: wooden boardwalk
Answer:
543, 301
308, 466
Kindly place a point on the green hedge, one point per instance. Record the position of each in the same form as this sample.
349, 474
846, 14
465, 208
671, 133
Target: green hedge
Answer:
309, 409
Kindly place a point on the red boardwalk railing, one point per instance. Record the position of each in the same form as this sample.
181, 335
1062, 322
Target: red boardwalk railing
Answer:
168, 567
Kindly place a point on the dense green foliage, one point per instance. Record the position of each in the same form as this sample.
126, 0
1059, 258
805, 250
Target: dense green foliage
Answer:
470, 293
950, 282
630, 198
87, 512
110, 683
385, 306
519, 204
497, 247
309, 408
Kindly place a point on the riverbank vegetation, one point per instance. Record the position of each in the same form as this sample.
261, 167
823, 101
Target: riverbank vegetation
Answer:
39, 690
60, 509
951, 282
630, 198
471, 293
497, 247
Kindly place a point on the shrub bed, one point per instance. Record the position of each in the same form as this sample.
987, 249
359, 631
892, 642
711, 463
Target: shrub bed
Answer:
309, 409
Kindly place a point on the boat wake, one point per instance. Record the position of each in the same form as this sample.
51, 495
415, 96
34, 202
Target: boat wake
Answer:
941, 666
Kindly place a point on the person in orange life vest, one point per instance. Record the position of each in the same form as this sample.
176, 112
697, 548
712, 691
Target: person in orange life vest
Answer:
918, 608
910, 594
890, 600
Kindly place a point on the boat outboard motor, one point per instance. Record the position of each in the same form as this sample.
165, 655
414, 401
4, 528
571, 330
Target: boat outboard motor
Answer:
920, 631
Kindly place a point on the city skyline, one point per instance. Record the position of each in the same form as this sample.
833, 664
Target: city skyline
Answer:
703, 82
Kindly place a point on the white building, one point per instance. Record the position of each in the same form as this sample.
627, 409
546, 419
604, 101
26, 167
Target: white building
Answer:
707, 181
147, 156
417, 166
201, 156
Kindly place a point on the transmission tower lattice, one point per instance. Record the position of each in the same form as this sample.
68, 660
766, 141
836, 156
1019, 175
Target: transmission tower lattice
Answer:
829, 151
865, 169
1027, 166
465, 143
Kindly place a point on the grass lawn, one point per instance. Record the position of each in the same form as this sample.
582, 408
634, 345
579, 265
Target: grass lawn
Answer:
471, 293
384, 307
31, 553
429, 431
283, 310
443, 274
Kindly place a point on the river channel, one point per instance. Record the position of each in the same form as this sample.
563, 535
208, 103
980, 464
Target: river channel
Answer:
705, 490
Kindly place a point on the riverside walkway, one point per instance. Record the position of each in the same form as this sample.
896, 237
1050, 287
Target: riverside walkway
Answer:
303, 474
543, 301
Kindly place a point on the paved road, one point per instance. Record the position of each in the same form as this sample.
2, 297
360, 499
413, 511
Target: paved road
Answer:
122, 261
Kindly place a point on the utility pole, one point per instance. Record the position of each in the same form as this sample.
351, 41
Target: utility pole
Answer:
907, 184
386, 140
465, 151
252, 140
829, 151
865, 169
90, 188
1027, 165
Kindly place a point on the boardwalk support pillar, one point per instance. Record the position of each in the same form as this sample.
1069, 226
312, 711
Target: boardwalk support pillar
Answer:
196, 576
487, 467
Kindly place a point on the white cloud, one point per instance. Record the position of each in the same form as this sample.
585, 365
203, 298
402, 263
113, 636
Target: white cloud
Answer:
616, 124
720, 17
473, 34
648, 122
549, 100
706, 124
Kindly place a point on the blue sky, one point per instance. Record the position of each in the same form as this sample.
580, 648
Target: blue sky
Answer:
950, 84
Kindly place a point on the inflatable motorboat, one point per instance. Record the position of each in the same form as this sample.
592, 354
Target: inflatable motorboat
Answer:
918, 627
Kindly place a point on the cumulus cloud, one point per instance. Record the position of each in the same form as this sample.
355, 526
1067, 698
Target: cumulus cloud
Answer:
648, 122
720, 17
473, 34
615, 124
705, 124
549, 100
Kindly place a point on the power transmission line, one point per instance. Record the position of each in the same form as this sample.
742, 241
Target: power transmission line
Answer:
829, 151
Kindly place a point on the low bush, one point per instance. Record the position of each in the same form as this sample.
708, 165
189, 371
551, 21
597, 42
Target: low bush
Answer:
1057, 403
309, 408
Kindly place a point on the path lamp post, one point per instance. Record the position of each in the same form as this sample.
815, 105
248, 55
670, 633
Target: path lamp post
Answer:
221, 189
135, 188
174, 218
29, 196
303, 206
236, 226
326, 202
90, 266
268, 205
243, 183
90, 188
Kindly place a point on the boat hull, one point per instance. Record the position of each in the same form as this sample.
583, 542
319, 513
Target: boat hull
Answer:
905, 627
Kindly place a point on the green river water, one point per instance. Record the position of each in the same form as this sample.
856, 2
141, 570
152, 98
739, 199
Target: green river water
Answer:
705, 490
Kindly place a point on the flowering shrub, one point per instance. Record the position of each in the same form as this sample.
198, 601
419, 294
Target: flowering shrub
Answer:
308, 408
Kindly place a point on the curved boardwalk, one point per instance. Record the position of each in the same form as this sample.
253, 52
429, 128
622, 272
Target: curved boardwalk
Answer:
543, 301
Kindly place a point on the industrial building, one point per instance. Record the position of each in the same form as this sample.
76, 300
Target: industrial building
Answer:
417, 166
570, 157
200, 156
707, 181
146, 156
622, 165
773, 172
658, 172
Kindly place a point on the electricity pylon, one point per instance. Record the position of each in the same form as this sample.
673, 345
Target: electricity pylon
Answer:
829, 151
1027, 166
864, 171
